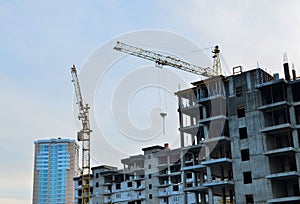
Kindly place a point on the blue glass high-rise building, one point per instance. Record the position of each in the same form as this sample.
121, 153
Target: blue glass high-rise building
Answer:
55, 166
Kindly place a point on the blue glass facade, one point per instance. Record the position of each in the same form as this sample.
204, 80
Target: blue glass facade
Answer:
52, 166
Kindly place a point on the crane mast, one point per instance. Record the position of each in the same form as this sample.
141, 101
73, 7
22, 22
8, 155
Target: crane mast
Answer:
162, 60
84, 137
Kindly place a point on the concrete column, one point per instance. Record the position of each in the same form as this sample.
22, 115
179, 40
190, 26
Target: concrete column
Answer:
210, 196
222, 173
207, 152
292, 115
204, 111
297, 157
248, 77
183, 178
134, 173
203, 200
295, 139
196, 197
205, 130
201, 178
264, 141
294, 132
180, 121
197, 94
209, 177
299, 181
124, 177
223, 196
169, 169
231, 196
195, 179
289, 93
190, 99
231, 87
181, 139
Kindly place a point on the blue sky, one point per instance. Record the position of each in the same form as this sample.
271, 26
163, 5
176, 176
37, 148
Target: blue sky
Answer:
40, 40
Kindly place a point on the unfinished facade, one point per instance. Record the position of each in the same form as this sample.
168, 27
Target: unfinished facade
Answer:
239, 144
248, 153
154, 177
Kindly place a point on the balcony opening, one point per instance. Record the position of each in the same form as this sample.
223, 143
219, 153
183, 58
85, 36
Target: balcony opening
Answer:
200, 135
277, 116
188, 159
222, 150
163, 181
176, 188
163, 171
295, 90
175, 168
189, 185
282, 163
241, 112
176, 179
203, 92
226, 131
118, 186
287, 188
279, 140
189, 175
119, 178
274, 93
138, 184
297, 114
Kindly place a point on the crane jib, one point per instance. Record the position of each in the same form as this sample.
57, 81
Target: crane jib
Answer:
164, 60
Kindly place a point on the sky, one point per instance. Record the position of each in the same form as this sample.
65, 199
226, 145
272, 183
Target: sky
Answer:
41, 40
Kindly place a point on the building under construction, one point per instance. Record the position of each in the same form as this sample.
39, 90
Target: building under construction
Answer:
239, 144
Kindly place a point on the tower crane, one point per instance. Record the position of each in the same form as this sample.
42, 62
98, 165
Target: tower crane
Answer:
84, 137
163, 60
